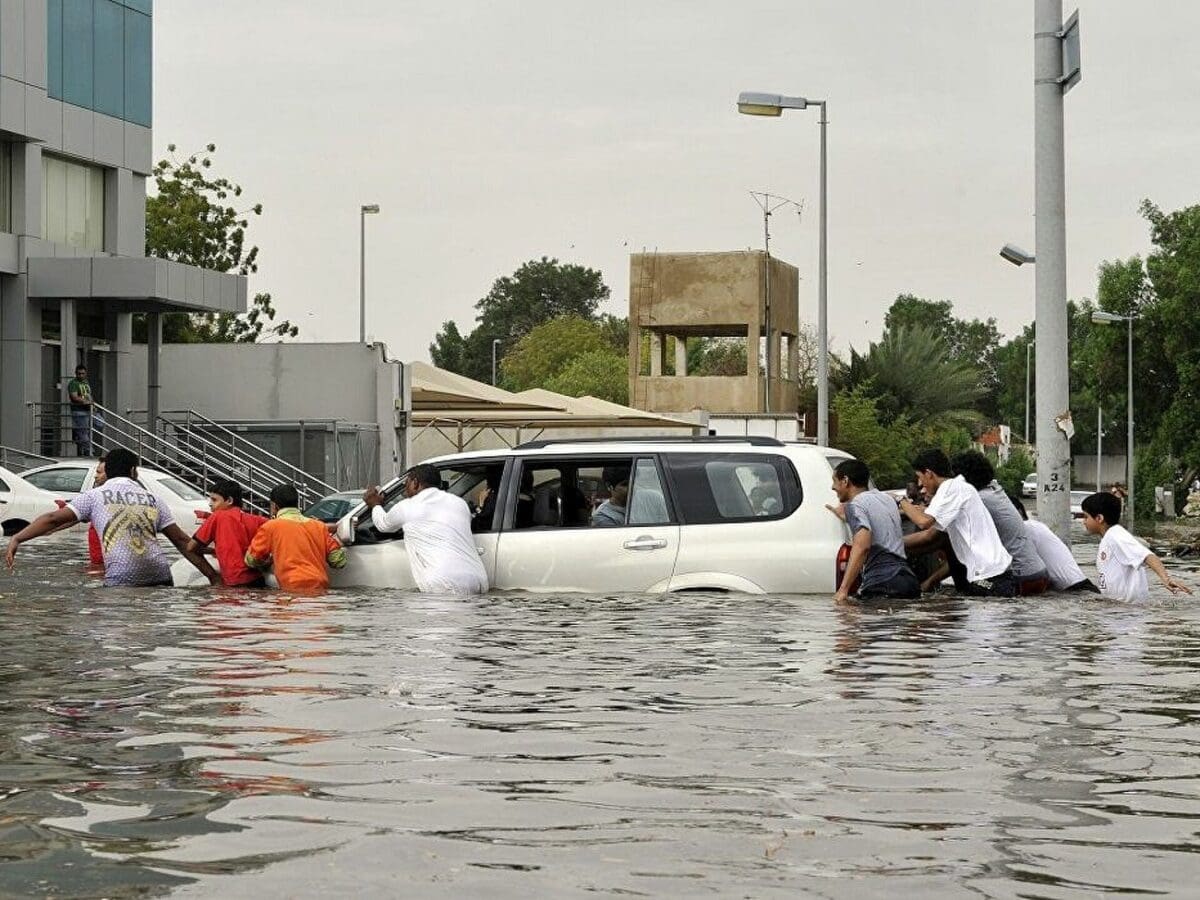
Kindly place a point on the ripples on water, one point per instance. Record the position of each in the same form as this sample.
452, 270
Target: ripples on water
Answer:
375, 744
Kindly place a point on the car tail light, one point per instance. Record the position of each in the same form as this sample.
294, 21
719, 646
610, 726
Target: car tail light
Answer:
59, 502
843, 562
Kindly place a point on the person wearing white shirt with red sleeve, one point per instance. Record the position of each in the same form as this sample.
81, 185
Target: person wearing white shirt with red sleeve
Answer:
1121, 559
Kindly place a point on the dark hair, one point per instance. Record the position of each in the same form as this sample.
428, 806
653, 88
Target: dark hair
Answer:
932, 460
120, 463
284, 496
855, 471
230, 490
1016, 501
1104, 506
974, 467
425, 475
615, 475
80, 368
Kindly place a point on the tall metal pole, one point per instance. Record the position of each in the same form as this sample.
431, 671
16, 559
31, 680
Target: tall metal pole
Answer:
1053, 445
362, 276
1129, 520
1028, 352
1099, 441
767, 306
495, 341
823, 307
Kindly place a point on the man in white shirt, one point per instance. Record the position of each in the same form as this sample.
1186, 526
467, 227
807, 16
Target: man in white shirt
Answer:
1121, 559
978, 561
1064, 572
437, 534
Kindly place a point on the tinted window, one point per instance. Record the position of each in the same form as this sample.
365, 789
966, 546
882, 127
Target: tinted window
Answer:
4, 486
732, 487
572, 493
67, 480
647, 501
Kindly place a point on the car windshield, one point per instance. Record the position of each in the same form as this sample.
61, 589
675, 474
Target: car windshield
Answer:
331, 509
180, 489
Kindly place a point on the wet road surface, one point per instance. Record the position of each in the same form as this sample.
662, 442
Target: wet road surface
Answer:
211, 743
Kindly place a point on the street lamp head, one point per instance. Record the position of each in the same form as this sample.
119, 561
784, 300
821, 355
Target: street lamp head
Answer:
1016, 255
371, 208
755, 104
1103, 317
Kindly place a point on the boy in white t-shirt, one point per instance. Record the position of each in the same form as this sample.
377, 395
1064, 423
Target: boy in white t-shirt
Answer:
1122, 559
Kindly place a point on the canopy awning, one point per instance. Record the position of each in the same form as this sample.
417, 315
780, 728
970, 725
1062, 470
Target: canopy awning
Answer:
437, 390
137, 284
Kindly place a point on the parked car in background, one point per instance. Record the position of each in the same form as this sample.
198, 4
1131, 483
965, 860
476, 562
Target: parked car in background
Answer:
1029, 485
66, 480
743, 515
21, 502
332, 508
1077, 498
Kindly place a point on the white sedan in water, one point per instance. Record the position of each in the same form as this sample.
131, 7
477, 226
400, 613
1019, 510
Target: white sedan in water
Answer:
21, 502
67, 480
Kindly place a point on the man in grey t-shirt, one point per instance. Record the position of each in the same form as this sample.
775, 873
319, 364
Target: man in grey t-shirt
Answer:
877, 540
1028, 569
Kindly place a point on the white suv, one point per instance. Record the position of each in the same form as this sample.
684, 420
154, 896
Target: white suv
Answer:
742, 514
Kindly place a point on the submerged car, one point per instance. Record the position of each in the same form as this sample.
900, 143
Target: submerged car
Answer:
21, 502
719, 514
66, 480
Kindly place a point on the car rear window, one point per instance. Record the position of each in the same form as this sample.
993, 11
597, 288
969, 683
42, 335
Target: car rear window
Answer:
731, 487
64, 479
180, 489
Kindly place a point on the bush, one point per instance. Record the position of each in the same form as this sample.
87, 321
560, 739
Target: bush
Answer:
1012, 473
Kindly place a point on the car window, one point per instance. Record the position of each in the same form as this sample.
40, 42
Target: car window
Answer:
647, 500
63, 479
713, 488
574, 493
4, 486
331, 509
179, 488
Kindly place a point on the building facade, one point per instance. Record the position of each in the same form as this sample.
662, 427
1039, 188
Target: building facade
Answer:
76, 150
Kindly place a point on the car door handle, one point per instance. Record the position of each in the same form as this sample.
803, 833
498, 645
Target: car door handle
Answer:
645, 542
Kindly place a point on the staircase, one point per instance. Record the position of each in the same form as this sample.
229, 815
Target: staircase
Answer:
193, 448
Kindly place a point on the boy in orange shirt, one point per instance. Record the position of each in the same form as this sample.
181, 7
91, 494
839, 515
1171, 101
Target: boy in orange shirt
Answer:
298, 547
229, 530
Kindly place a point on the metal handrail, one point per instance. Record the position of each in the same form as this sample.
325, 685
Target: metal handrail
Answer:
199, 464
267, 462
19, 460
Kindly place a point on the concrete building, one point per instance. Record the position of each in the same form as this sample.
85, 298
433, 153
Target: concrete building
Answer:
745, 295
75, 154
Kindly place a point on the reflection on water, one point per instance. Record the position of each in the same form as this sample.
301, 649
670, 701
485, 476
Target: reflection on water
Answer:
240, 743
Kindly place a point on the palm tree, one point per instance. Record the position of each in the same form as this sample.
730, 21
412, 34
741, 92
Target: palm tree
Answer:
910, 373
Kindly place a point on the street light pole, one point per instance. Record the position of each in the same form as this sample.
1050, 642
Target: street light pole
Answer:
1099, 441
1050, 281
1102, 317
756, 104
362, 269
495, 343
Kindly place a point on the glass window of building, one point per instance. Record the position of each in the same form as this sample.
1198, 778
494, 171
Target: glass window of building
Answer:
72, 203
99, 54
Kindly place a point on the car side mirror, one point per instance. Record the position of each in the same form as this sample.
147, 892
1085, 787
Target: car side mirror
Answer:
345, 529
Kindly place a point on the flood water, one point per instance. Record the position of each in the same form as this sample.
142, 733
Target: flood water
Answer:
377, 744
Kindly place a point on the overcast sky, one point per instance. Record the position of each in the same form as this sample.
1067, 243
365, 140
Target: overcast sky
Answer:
495, 132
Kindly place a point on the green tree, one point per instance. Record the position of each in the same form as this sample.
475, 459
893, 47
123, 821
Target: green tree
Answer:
599, 373
549, 349
912, 377
887, 449
538, 291
972, 341
191, 218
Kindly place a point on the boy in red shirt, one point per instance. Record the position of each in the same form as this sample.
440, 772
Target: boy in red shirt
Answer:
229, 529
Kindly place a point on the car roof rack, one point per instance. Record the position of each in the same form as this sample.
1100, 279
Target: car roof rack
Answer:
749, 440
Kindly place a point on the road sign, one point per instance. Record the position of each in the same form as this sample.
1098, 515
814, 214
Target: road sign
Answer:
1071, 72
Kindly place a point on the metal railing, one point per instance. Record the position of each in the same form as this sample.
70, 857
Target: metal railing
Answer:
19, 460
185, 452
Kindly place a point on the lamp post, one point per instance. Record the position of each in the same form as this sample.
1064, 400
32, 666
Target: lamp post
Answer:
1102, 317
495, 344
369, 208
1019, 257
754, 104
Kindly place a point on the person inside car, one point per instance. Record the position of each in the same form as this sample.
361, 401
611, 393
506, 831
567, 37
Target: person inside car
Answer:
613, 510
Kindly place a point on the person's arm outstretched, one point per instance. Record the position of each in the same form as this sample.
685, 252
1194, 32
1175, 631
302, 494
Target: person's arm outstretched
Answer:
1154, 564
44, 524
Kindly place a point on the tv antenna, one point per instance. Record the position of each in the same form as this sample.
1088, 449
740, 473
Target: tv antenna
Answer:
769, 204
